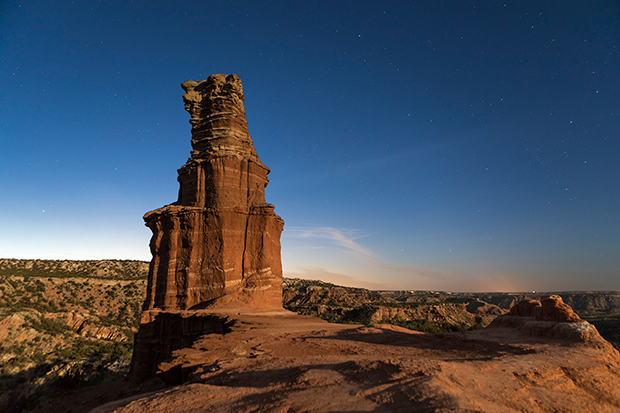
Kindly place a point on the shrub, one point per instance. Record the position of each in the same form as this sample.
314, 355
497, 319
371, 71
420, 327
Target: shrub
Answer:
48, 326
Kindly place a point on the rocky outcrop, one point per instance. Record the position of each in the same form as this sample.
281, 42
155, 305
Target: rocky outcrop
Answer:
89, 327
549, 308
219, 244
291, 363
549, 317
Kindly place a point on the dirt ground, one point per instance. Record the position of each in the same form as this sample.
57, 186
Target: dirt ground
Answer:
283, 362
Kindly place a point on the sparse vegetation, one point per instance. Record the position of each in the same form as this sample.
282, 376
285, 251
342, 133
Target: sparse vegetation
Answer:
54, 269
46, 326
430, 312
435, 312
64, 325
68, 324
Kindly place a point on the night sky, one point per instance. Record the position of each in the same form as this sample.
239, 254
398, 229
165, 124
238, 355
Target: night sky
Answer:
459, 146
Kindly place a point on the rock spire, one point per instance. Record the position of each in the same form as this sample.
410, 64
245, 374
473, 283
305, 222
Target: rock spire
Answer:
218, 246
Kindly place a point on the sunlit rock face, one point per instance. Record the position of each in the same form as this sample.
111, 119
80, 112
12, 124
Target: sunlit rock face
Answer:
218, 246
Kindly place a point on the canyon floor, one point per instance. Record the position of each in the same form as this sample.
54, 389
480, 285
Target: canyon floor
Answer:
284, 362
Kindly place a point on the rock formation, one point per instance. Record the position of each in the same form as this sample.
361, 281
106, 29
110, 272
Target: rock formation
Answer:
549, 317
549, 308
219, 244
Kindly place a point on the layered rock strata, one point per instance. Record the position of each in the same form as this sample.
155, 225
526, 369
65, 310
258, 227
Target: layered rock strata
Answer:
219, 244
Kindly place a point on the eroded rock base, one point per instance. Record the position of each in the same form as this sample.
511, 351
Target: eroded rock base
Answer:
163, 332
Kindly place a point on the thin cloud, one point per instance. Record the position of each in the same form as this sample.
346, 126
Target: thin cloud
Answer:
416, 272
334, 234
487, 278
346, 240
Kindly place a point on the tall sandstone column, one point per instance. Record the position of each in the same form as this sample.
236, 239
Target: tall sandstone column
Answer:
218, 246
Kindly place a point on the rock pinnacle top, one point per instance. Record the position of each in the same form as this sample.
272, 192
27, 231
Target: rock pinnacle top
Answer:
219, 127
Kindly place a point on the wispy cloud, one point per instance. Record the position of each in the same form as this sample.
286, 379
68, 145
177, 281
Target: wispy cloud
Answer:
483, 277
345, 241
346, 238
411, 271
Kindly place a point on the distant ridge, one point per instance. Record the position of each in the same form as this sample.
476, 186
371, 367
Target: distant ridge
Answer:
106, 269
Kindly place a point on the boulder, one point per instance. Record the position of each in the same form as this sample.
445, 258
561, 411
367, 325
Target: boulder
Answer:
549, 308
549, 317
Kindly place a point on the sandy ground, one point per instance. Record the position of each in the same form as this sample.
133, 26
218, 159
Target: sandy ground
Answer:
282, 362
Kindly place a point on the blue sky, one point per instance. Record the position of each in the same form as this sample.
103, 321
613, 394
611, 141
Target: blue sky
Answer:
460, 146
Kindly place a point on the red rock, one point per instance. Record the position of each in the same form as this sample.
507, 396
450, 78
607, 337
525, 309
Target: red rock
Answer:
525, 308
553, 308
549, 317
549, 308
219, 244
291, 363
